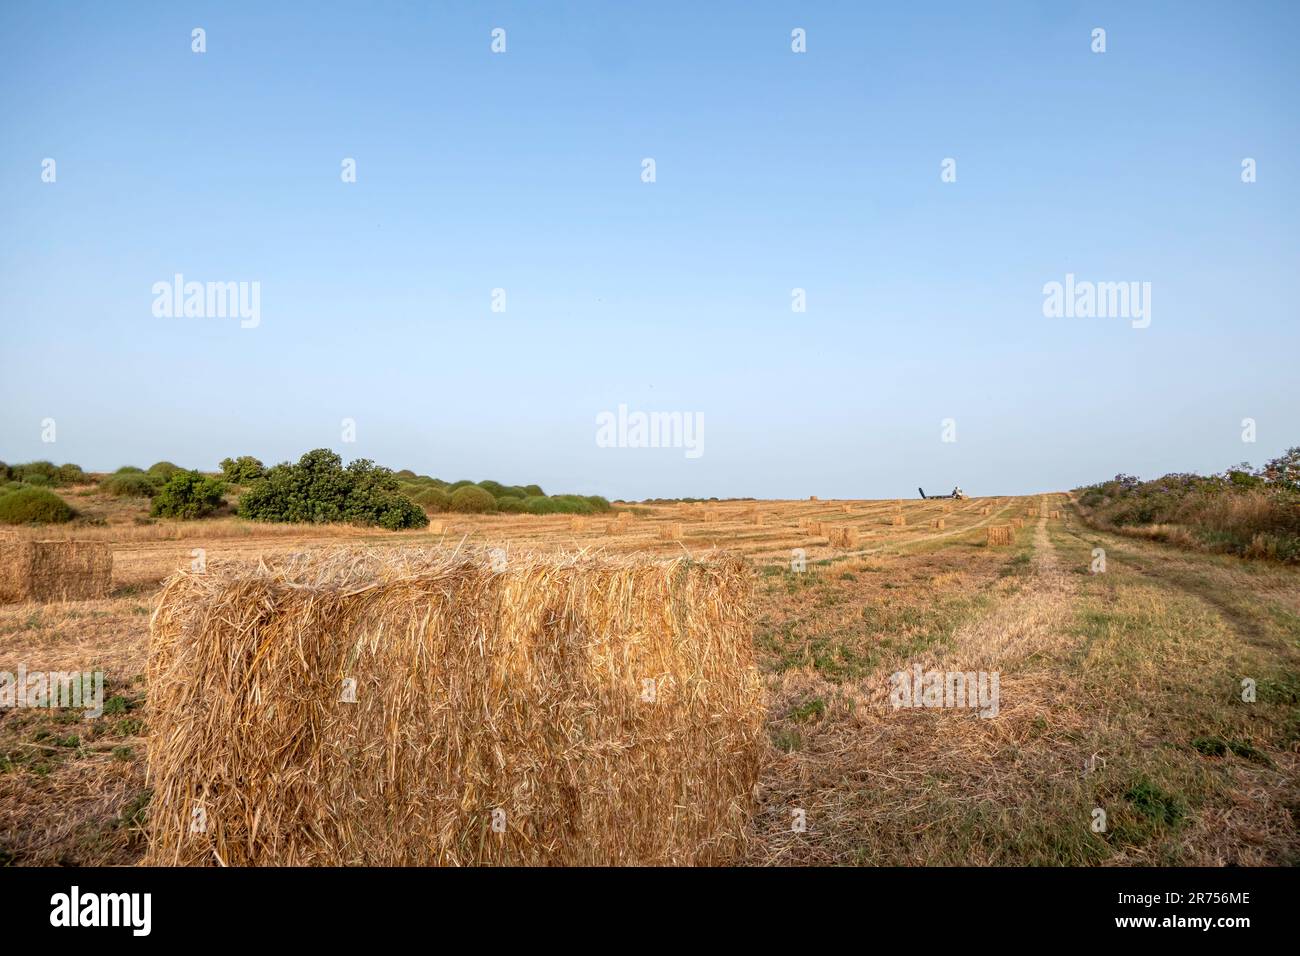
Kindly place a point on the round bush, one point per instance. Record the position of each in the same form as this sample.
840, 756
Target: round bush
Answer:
130, 485
164, 469
472, 499
37, 480
129, 470
34, 506
432, 499
71, 475
512, 506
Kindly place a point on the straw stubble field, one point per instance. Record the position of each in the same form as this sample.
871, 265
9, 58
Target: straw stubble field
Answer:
1117, 689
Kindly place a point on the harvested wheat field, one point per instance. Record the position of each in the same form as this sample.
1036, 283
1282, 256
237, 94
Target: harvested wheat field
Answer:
1118, 690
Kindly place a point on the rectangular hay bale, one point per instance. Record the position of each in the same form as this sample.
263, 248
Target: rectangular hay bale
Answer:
843, 537
559, 711
999, 534
49, 571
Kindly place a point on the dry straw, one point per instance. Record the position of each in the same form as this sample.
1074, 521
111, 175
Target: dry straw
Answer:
53, 570
672, 532
565, 710
999, 534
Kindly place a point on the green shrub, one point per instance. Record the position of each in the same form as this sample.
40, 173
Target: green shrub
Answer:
34, 506
533, 491
129, 470
1251, 514
129, 485
558, 505
41, 473
71, 475
188, 495
318, 490
163, 470
242, 470
471, 499
509, 505
432, 499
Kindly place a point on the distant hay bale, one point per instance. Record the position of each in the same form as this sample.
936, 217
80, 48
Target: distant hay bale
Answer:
938, 523
674, 531
898, 520
947, 509
562, 711
1053, 514
999, 534
49, 571
437, 527
756, 519
577, 523
1017, 523
986, 510
711, 514
843, 537
812, 497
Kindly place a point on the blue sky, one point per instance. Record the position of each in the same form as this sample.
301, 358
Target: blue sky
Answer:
774, 171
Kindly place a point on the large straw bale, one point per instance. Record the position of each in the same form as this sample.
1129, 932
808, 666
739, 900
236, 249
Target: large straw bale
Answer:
674, 531
499, 716
999, 534
938, 524
48, 571
842, 537
897, 520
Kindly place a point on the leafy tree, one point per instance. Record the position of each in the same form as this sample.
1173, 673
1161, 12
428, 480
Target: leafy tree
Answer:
188, 495
242, 470
319, 490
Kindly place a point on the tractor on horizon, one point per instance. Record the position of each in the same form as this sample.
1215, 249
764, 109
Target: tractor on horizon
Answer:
956, 493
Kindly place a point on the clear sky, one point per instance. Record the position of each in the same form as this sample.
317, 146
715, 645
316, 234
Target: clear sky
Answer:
774, 170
